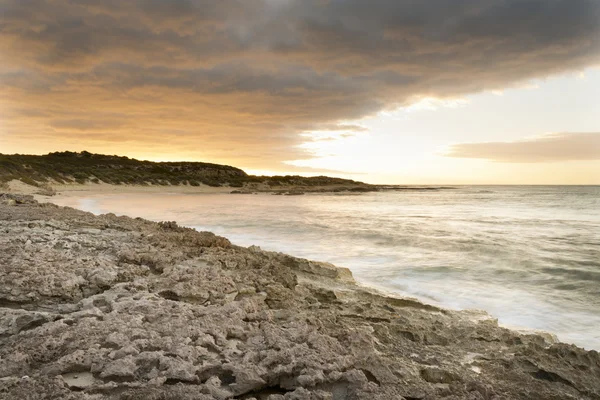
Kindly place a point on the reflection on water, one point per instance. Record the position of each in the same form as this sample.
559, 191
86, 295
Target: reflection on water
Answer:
528, 255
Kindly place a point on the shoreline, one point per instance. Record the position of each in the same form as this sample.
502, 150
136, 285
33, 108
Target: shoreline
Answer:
53, 188
117, 306
18, 187
114, 190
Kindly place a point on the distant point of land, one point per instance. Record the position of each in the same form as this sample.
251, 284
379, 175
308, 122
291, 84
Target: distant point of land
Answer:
79, 168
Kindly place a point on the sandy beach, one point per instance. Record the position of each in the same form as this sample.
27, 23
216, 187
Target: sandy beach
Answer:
103, 188
95, 189
45, 192
100, 188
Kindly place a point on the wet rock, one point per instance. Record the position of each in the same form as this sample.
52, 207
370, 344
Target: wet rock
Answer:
79, 380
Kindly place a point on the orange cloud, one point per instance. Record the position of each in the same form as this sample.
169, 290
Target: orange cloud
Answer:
240, 80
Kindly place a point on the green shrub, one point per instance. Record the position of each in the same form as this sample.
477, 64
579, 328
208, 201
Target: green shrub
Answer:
29, 181
80, 175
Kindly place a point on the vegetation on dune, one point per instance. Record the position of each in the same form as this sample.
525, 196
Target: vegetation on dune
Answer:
83, 167
70, 167
301, 180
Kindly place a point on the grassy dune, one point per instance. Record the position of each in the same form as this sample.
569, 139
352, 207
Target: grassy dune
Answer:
70, 167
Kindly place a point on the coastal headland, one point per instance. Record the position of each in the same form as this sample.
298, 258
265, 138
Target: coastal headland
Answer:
97, 173
107, 307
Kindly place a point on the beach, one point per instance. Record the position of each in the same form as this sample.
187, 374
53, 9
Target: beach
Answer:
76, 189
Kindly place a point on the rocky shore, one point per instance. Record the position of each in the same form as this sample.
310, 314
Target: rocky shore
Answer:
107, 307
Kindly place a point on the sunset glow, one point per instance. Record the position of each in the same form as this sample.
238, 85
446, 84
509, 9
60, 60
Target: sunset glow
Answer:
301, 88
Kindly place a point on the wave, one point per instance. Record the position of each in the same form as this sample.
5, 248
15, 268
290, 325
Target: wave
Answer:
572, 273
528, 255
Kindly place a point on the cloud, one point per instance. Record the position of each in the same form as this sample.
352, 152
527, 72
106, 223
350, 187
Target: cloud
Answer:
243, 79
547, 148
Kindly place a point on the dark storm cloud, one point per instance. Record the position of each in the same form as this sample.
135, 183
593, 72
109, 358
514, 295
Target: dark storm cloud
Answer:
264, 70
555, 147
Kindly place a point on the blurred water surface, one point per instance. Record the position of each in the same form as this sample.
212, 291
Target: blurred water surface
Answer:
528, 255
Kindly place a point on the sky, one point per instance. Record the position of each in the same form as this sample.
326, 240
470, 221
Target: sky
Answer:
383, 91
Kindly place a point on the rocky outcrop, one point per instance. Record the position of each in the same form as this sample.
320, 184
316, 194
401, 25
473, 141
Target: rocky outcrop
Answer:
95, 307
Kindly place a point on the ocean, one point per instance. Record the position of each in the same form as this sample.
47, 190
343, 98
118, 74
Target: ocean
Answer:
528, 255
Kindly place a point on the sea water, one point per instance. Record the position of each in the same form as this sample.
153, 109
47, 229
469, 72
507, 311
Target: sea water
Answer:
528, 255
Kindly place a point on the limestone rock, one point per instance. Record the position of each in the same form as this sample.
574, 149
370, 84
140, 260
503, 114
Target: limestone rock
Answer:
107, 307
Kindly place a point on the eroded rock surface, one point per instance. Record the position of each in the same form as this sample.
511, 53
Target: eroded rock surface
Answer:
119, 308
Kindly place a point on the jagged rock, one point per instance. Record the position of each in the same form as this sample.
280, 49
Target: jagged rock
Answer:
11, 199
95, 307
121, 369
438, 375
